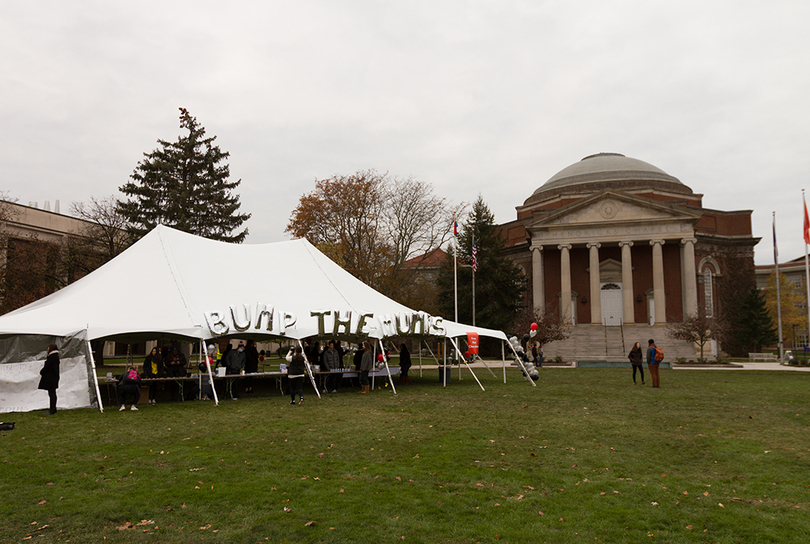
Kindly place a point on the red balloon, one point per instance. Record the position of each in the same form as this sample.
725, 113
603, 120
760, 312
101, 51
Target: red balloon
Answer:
380, 357
534, 326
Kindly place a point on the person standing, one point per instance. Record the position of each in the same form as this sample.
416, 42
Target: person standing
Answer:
251, 364
366, 365
234, 363
636, 360
50, 376
331, 361
404, 364
153, 368
652, 364
295, 374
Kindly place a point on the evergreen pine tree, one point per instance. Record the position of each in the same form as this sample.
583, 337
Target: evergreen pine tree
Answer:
754, 326
184, 185
499, 284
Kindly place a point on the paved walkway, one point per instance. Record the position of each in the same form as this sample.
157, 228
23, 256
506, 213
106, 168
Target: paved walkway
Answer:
745, 366
733, 366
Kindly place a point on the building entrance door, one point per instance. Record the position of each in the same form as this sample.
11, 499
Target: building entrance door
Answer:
612, 307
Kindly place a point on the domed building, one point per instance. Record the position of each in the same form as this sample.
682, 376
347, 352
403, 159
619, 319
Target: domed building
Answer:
621, 249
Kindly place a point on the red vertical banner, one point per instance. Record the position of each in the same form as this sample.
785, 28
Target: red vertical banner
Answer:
472, 342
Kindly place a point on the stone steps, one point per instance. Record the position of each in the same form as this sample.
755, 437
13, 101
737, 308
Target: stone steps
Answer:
589, 342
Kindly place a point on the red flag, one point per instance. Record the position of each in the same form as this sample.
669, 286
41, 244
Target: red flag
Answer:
806, 223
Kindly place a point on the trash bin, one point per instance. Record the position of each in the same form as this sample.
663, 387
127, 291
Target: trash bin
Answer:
445, 371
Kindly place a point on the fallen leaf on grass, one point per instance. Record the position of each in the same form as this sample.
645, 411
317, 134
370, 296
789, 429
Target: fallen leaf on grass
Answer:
42, 502
204, 527
540, 512
309, 524
720, 504
688, 526
287, 509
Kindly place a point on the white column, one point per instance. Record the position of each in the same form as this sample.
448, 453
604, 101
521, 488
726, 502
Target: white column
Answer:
628, 309
659, 291
538, 280
689, 275
565, 282
596, 296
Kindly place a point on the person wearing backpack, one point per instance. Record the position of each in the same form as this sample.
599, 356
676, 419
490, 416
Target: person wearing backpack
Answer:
654, 357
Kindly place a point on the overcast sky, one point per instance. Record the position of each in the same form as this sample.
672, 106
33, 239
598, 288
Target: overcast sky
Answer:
477, 97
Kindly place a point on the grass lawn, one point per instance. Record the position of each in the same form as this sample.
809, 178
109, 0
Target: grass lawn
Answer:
712, 456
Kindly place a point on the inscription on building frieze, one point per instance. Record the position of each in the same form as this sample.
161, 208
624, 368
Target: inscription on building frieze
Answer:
590, 233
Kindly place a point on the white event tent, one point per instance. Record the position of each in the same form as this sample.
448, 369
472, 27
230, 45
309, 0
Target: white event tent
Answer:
174, 284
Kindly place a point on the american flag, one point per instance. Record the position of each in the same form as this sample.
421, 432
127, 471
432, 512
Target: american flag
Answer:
806, 222
474, 259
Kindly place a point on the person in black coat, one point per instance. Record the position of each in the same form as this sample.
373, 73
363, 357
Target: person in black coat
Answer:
153, 368
636, 359
50, 376
251, 364
129, 383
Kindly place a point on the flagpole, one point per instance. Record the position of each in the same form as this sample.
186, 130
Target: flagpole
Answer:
473, 278
806, 267
455, 265
778, 294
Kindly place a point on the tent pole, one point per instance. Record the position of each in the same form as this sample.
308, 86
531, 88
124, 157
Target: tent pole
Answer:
199, 376
385, 361
211, 376
467, 364
210, 373
503, 360
444, 359
374, 363
478, 357
95, 376
309, 370
420, 356
435, 357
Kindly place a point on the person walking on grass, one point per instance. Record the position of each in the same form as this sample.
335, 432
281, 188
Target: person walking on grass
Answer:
652, 363
295, 374
637, 360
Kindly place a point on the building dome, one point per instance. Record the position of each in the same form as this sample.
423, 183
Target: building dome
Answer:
607, 171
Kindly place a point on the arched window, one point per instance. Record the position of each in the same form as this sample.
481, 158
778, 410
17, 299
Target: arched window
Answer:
708, 298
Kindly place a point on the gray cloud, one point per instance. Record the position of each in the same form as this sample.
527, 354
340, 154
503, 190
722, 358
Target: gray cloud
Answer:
474, 97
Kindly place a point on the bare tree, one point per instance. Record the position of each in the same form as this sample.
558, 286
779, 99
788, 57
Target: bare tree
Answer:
106, 231
698, 329
371, 223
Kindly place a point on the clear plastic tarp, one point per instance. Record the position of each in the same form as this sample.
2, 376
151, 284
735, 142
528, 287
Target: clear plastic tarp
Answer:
23, 356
